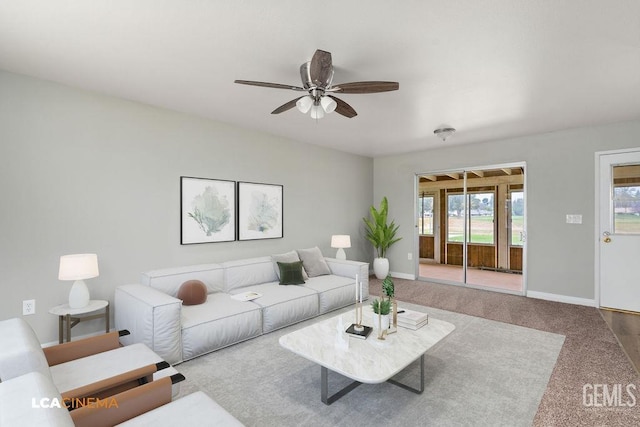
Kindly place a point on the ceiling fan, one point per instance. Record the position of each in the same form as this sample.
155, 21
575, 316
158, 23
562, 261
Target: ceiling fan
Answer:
317, 78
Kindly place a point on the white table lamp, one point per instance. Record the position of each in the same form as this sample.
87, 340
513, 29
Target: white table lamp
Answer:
78, 267
341, 241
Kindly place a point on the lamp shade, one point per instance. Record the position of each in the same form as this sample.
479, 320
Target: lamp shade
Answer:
328, 104
340, 241
304, 104
78, 267
317, 112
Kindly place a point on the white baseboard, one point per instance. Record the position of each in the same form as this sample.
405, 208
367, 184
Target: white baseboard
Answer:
396, 275
406, 276
562, 298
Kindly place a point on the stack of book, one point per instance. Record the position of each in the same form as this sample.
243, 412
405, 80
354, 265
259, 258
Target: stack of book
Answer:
359, 334
412, 319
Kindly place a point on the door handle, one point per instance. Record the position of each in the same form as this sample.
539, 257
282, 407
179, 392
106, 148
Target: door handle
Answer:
607, 238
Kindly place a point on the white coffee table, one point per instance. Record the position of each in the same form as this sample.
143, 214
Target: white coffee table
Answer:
369, 361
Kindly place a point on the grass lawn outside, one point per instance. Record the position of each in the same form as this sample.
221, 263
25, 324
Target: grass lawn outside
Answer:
482, 229
627, 223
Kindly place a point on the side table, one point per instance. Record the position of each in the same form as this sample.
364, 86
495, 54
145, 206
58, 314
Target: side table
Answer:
70, 315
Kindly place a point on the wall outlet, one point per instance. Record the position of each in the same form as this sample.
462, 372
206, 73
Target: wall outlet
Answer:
28, 307
409, 256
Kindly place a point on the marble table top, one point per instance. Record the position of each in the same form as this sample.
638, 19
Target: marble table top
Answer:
368, 361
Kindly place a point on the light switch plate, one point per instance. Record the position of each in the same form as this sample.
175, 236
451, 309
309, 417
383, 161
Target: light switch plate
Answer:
574, 219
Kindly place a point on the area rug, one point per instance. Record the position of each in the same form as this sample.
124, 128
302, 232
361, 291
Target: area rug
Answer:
485, 373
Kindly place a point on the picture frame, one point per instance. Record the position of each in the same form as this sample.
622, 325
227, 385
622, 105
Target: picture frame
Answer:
260, 211
207, 210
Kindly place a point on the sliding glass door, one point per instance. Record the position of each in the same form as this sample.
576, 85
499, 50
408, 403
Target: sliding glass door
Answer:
470, 227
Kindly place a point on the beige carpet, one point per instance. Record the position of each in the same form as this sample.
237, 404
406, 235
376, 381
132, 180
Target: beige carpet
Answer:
590, 354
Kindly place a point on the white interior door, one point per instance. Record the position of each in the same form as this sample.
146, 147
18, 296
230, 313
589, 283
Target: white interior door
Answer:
619, 230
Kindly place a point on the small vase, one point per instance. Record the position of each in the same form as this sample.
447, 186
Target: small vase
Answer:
381, 267
375, 321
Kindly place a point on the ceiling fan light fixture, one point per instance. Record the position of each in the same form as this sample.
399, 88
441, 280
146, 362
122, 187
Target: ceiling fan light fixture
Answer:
317, 112
444, 133
304, 104
328, 104
317, 79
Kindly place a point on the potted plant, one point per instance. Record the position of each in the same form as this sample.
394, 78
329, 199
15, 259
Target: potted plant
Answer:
381, 307
382, 236
388, 288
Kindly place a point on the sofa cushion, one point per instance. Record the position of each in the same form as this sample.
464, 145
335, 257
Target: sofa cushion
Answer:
291, 256
192, 292
196, 409
291, 273
17, 399
314, 262
283, 305
219, 322
21, 351
247, 272
168, 280
333, 291
77, 373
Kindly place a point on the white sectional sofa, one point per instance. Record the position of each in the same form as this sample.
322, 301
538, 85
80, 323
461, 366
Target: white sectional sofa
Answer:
155, 316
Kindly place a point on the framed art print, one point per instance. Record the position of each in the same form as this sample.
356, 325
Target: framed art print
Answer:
259, 211
207, 210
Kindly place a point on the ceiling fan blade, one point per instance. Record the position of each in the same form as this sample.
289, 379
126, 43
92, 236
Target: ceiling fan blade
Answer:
284, 107
343, 108
271, 85
365, 87
321, 69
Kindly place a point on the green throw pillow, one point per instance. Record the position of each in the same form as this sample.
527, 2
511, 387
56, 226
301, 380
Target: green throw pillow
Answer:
291, 273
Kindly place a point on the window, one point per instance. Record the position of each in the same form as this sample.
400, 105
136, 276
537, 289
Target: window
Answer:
626, 205
425, 214
481, 228
481, 215
517, 218
455, 218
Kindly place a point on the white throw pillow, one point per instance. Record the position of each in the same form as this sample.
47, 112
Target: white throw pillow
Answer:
314, 262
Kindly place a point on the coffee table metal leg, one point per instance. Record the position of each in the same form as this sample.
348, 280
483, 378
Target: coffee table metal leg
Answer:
324, 388
328, 400
406, 387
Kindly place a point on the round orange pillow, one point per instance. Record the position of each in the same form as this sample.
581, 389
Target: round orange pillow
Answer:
193, 292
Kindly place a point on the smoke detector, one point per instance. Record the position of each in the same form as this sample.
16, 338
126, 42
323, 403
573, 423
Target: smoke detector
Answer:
444, 133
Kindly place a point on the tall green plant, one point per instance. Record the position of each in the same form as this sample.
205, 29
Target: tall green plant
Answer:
379, 233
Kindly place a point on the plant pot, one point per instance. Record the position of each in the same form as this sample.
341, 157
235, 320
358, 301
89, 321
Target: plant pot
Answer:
375, 320
381, 267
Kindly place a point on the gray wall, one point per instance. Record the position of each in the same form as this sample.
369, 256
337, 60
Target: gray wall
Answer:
82, 172
560, 181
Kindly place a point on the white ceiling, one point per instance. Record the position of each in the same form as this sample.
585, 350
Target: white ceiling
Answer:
492, 69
